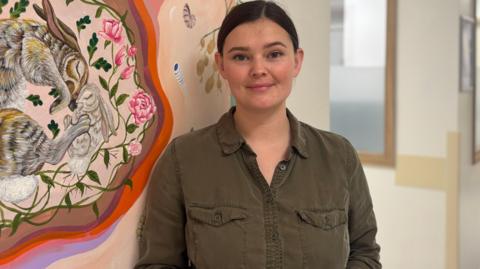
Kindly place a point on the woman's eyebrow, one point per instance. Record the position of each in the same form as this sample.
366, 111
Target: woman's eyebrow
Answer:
237, 49
266, 46
276, 43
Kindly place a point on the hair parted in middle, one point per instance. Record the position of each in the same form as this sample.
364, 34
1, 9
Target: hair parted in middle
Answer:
252, 11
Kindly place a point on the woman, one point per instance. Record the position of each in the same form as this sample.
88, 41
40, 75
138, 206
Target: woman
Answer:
259, 189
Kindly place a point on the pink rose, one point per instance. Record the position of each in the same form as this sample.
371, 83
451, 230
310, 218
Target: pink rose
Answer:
120, 56
112, 30
131, 51
134, 148
142, 107
127, 72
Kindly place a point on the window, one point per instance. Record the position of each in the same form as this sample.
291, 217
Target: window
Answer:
362, 58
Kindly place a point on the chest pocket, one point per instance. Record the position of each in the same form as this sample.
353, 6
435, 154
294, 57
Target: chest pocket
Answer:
219, 237
323, 220
324, 237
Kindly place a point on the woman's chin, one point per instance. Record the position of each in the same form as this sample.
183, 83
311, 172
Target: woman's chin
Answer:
261, 106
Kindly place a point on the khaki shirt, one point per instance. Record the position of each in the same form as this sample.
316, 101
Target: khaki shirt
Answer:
209, 207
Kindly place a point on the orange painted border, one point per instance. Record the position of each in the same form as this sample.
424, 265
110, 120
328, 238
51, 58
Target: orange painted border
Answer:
128, 196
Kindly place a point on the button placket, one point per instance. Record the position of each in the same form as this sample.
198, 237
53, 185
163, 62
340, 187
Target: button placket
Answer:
272, 238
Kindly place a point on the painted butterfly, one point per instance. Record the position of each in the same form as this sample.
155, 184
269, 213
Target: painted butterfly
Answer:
188, 17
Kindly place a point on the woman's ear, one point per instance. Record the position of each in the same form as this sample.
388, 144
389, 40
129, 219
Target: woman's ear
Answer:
298, 61
219, 63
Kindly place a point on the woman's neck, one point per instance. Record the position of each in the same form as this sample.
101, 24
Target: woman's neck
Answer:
263, 126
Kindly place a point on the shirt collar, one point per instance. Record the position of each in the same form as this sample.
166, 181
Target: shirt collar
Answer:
231, 141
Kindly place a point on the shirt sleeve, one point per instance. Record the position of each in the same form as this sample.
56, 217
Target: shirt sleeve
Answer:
162, 241
364, 251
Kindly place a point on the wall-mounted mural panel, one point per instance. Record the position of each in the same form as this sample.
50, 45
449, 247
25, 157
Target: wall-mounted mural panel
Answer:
81, 118
88, 93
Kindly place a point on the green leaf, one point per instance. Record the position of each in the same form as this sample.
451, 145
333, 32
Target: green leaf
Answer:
68, 2
91, 51
93, 40
124, 16
128, 182
99, 12
114, 90
15, 223
101, 63
53, 127
106, 158
95, 209
54, 92
103, 82
92, 46
93, 176
125, 154
82, 22
68, 202
107, 42
121, 99
81, 187
131, 128
47, 180
35, 99
18, 8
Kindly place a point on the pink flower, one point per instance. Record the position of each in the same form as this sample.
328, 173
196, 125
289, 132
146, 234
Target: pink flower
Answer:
127, 72
112, 30
134, 148
142, 107
120, 56
131, 51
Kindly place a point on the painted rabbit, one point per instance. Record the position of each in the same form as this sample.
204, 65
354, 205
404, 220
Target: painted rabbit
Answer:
47, 55
90, 103
24, 148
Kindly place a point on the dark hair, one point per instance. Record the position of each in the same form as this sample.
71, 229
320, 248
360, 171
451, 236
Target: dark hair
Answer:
252, 11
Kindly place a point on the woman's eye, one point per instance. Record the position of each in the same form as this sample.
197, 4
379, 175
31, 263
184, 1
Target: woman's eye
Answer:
275, 54
240, 57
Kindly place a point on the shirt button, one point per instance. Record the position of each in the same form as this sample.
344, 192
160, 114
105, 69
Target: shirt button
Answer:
283, 167
217, 217
275, 236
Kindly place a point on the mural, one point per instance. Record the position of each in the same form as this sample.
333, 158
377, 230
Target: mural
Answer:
88, 93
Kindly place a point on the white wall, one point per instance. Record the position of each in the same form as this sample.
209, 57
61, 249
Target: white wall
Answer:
427, 76
310, 96
412, 221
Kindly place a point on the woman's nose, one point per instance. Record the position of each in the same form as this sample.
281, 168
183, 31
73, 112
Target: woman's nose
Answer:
258, 68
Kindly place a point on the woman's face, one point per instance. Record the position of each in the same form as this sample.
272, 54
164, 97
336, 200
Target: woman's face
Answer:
259, 64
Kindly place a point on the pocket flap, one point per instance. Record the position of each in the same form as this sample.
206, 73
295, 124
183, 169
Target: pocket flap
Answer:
323, 219
216, 216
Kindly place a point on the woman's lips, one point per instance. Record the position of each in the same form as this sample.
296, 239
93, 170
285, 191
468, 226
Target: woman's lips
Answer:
260, 87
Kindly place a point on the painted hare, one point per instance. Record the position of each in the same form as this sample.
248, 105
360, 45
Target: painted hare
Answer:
90, 103
24, 148
47, 55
